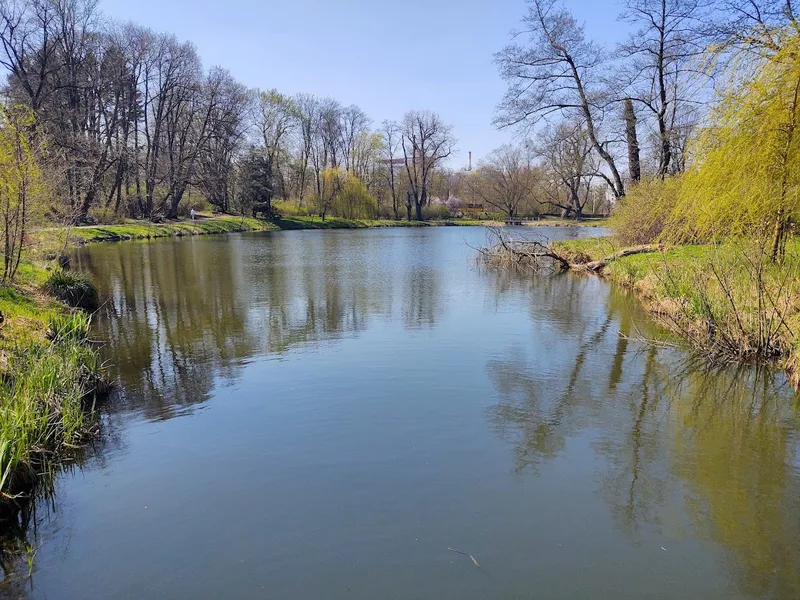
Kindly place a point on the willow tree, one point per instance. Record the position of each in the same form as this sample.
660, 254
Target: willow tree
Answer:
330, 182
20, 184
746, 179
351, 199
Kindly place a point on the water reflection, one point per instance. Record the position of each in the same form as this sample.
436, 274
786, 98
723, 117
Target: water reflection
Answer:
356, 372
693, 453
181, 317
173, 321
736, 448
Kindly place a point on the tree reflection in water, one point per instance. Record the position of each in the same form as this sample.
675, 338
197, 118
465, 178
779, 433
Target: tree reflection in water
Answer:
674, 438
181, 316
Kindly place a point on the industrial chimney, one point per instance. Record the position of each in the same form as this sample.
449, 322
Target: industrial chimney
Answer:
469, 168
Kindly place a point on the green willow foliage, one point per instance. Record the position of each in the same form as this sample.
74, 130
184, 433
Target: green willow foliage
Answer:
353, 201
745, 180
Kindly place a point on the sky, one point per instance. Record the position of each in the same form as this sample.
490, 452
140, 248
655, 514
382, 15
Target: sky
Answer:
387, 57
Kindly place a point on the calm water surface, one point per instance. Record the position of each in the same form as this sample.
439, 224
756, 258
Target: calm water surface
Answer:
323, 414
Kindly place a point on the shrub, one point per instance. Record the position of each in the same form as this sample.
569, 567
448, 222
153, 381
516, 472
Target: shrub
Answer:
732, 302
385, 211
290, 208
104, 215
70, 327
641, 216
197, 201
438, 211
74, 289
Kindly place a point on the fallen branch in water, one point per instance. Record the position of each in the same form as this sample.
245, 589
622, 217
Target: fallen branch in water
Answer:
505, 251
465, 554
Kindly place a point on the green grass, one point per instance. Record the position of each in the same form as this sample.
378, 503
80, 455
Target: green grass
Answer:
48, 371
550, 221
73, 289
314, 222
139, 230
142, 230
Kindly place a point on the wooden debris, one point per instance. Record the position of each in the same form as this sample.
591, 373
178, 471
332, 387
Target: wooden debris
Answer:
465, 554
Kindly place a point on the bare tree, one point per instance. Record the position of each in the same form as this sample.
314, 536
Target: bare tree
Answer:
556, 72
426, 142
230, 103
324, 130
567, 153
308, 108
661, 63
506, 180
276, 118
67, 72
188, 108
30, 47
756, 26
353, 125
391, 145
366, 153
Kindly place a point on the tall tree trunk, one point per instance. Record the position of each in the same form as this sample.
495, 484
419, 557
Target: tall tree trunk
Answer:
618, 187
394, 192
778, 236
419, 201
575, 199
634, 164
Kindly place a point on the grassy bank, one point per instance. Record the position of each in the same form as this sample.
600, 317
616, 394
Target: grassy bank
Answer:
48, 378
309, 222
730, 301
141, 230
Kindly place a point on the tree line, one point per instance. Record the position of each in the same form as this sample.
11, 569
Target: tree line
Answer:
126, 122
696, 89
122, 121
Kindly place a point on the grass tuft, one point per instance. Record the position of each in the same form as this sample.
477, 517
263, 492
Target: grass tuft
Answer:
49, 378
73, 289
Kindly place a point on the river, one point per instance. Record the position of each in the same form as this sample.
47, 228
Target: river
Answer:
326, 414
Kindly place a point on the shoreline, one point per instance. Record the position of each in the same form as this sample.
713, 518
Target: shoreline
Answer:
143, 230
690, 292
51, 379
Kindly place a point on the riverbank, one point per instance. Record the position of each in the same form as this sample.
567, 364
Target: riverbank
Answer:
49, 379
729, 301
142, 230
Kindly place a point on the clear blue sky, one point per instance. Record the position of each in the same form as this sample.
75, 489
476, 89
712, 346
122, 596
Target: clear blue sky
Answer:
387, 57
